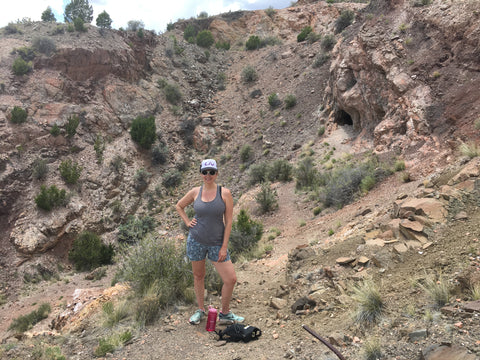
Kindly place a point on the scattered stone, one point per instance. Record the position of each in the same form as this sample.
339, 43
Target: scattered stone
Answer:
278, 303
446, 352
303, 304
418, 335
400, 248
345, 260
472, 306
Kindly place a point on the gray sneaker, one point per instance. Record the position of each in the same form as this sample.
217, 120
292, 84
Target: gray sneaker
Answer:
197, 317
229, 318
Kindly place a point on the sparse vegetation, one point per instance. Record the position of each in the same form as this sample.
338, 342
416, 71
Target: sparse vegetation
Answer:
246, 153
304, 33
438, 290
156, 270
21, 67
273, 100
172, 179
39, 169
249, 74
172, 93
18, 115
70, 171
253, 43
370, 305
270, 12
135, 229
143, 131
25, 322
290, 101
44, 45
470, 149
328, 42
267, 198
72, 125
99, 147
89, 252
205, 39
48, 198
246, 233
344, 20
372, 349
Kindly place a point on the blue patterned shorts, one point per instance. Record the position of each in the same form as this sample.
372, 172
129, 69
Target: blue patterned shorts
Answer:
198, 252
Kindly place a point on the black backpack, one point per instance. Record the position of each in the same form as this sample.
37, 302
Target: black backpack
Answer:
238, 332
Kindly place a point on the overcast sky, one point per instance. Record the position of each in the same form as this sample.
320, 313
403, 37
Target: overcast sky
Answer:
155, 14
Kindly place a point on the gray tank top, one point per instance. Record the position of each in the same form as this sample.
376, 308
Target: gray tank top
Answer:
210, 227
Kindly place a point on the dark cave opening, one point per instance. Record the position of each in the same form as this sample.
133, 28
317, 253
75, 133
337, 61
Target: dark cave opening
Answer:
343, 118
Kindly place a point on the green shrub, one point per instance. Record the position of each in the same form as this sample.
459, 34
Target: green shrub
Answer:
110, 343
437, 290
48, 198
370, 306
372, 349
399, 165
280, 170
157, 266
344, 183
320, 60
328, 42
290, 101
135, 229
267, 198
253, 43
89, 252
224, 45
55, 130
99, 147
44, 45
39, 169
143, 131
26, 53
367, 183
70, 171
245, 235
18, 115
306, 174
140, 33
190, 33
249, 74
140, 180
270, 12
117, 163
11, 28
172, 179
170, 26
21, 67
25, 322
205, 39
344, 20
321, 130
172, 93
79, 24
246, 153
313, 37
257, 173
303, 34
273, 100
160, 154
72, 125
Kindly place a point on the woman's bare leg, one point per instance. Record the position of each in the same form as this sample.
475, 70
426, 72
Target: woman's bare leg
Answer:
227, 273
199, 271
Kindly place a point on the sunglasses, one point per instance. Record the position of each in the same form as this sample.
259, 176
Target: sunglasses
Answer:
211, 172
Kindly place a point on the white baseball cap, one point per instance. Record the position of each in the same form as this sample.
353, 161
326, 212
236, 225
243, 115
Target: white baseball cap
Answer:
208, 164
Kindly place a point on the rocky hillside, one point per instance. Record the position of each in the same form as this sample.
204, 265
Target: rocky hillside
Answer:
400, 81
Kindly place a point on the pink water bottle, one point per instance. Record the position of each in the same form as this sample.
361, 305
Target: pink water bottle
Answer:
211, 319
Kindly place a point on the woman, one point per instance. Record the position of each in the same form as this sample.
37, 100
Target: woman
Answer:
208, 236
